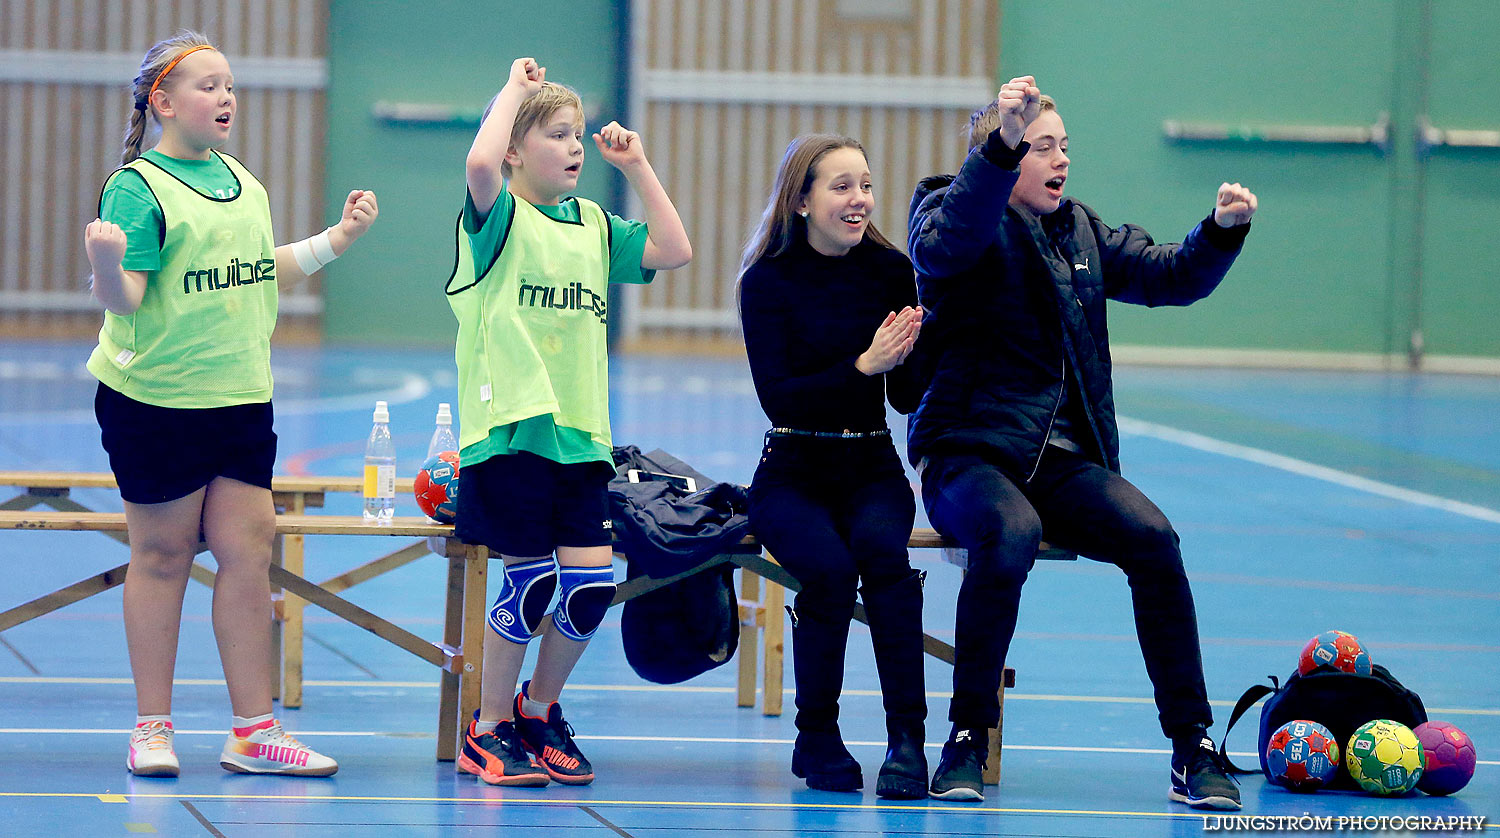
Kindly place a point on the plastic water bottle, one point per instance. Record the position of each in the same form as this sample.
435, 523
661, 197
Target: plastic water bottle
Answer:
380, 469
443, 438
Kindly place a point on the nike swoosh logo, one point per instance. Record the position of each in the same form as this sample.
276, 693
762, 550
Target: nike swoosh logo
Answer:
1180, 776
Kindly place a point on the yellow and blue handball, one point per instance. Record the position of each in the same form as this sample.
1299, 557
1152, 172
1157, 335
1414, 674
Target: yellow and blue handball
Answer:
1302, 755
1384, 757
436, 487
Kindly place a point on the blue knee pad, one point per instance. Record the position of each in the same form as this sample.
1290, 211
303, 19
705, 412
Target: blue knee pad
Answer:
523, 600
586, 595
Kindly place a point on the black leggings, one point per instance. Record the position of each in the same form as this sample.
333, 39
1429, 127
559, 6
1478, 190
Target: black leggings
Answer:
833, 512
1077, 505
837, 514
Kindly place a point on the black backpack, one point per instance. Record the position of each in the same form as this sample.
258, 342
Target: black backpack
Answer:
1338, 700
692, 625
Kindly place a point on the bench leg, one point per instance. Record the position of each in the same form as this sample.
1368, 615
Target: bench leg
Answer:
286, 626
476, 567
749, 635
775, 651
997, 733
278, 619
448, 683
293, 609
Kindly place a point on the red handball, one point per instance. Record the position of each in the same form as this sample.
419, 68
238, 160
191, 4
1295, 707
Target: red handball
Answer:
437, 487
1338, 649
1448, 758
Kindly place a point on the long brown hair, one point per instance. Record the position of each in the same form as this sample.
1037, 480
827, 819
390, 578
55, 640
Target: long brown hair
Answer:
780, 224
157, 58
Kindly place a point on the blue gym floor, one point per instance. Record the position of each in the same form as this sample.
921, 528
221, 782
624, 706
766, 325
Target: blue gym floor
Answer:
1305, 501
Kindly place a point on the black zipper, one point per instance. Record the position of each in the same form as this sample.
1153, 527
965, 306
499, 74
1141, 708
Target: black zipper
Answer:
1051, 419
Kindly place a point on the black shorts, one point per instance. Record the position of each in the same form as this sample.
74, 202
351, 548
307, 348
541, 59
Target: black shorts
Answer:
525, 505
165, 453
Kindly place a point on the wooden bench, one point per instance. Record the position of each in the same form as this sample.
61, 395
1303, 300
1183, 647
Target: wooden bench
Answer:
762, 639
291, 495
465, 608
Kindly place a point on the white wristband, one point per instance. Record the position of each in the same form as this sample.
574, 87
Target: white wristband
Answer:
313, 253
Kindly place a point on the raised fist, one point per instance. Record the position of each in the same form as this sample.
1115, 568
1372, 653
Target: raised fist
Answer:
1019, 102
1234, 206
526, 74
104, 243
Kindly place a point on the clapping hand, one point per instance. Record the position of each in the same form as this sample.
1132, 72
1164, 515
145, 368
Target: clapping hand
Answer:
893, 341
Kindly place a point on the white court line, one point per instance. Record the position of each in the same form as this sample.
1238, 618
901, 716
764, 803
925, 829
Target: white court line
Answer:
709, 740
661, 688
410, 388
1306, 469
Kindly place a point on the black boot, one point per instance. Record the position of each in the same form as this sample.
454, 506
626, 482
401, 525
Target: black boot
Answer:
819, 756
821, 759
903, 775
895, 615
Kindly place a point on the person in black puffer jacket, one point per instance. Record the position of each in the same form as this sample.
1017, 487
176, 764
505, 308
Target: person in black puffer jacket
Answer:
1015, 436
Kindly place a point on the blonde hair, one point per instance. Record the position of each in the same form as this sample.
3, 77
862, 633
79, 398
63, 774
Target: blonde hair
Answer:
780, 223
536, 110
157, 58
987, 119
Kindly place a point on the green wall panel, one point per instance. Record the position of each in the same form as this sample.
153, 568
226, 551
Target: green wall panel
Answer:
1460, 283
388, 289
1342, 232
1314, 272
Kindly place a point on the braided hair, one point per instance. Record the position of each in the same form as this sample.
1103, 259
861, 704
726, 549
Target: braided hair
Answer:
157, 58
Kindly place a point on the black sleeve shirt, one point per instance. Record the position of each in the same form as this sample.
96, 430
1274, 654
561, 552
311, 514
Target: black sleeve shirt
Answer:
807, 317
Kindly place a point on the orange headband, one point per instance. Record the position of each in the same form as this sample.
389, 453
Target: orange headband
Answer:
163, 75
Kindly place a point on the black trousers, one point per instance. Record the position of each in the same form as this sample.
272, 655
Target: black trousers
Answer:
1077, 505
837, 514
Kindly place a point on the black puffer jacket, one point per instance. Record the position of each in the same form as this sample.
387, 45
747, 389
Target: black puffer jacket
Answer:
1009, 296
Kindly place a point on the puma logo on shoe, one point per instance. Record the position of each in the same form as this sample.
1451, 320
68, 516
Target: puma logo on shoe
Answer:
279, 753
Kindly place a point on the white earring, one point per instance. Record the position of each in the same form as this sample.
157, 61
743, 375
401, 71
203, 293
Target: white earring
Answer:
803, 213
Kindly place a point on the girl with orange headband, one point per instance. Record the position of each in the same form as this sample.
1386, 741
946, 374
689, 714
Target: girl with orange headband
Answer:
185, 266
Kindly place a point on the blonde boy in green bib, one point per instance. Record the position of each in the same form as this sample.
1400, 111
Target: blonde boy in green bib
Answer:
187, 270
529, 290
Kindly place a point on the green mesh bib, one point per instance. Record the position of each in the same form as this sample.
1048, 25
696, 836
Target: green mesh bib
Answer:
202, 335
531, 326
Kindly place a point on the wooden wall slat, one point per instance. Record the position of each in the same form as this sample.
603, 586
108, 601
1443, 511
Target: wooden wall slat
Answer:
59, 141
717, 158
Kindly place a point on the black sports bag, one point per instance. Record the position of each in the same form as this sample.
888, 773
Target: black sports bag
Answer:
1338, 700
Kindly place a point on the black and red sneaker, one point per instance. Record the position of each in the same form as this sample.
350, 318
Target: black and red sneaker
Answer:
551, 740
499, 758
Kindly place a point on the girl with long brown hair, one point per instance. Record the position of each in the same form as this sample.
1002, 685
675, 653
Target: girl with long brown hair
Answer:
829, 311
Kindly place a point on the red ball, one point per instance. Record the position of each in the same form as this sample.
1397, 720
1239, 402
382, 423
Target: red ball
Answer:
436, 487
1448, 757
1338, 649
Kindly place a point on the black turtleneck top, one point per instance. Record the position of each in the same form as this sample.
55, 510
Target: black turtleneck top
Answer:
807, 317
